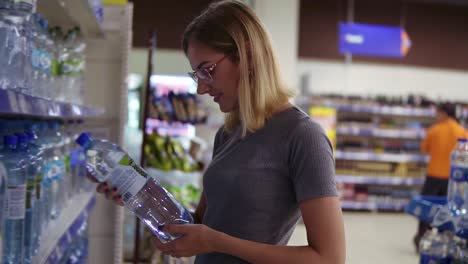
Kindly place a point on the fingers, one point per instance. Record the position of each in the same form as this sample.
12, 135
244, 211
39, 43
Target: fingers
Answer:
91, 177
102, 187
179, 229
110, 193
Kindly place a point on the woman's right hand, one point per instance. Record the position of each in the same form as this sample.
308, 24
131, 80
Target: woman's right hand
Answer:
104, 188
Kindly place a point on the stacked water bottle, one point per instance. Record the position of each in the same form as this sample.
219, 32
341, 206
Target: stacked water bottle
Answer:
447, 241
39, 60
41, 169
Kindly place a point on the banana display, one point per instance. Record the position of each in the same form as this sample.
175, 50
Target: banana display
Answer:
187, 195
167, 154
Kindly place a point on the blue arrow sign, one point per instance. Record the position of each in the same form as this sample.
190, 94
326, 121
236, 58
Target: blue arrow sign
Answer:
373, 40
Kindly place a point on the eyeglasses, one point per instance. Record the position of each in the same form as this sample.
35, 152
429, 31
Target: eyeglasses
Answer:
205, 73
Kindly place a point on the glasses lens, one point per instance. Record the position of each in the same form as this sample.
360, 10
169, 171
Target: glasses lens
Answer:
204, 74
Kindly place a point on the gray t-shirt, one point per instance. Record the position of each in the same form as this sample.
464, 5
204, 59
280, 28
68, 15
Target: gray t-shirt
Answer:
254, 185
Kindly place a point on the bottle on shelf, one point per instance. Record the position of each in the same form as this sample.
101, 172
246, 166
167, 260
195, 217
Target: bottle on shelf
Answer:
31, 166
143, 196
14, 211
458, 187
14, 53
37, 152
74, 66
433, 248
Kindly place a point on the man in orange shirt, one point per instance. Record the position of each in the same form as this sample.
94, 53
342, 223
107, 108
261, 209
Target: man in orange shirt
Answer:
438, 144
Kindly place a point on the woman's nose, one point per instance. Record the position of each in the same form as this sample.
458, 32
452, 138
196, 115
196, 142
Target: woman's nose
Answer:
202, 88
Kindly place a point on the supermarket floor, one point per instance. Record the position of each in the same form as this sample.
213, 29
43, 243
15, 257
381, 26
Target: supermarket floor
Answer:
383, 238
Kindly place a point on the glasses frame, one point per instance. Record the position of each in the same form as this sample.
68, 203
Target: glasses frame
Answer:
205, 73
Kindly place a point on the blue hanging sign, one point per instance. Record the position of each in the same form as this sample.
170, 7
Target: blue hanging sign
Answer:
373, 40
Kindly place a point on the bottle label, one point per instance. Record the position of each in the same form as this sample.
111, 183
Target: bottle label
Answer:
30, 193
16, 201
428, 259
45, 62
55, 67
67, 163
459, 174
124, 176
55, 169
72, 67
39, 178
35, 57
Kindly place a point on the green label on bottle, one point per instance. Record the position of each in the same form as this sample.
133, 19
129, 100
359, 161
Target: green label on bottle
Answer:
39, 178
67, 163
30, 193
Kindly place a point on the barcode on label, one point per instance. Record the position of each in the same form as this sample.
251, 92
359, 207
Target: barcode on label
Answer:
127, 196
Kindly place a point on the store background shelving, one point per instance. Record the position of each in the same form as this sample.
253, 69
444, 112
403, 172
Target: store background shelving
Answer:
378, 162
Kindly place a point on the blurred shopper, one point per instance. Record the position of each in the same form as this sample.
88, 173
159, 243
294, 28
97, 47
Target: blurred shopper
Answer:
438, 144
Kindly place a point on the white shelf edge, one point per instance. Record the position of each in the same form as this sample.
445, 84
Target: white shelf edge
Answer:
60, 226
382, 157
380, 180
354, 205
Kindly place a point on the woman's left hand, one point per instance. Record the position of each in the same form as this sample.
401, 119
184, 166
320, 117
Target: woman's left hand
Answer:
195, 239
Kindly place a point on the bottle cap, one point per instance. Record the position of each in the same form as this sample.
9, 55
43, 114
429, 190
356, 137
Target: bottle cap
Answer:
462, 140
10, 140
31, 135
22, 138
83, 139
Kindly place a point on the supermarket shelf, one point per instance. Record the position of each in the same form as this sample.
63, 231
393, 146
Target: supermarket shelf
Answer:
383, 157
353, 205
69, 13
382, 110
379, 180
377, 132
15, 103
60, 232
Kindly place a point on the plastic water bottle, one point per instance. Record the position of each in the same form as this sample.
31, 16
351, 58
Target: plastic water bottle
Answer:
457, 195
433, 248
3, 182
60, 55
14, 202
143, 196
41, 57
55, 170
37, 153
32, 164
13, 50
46, 184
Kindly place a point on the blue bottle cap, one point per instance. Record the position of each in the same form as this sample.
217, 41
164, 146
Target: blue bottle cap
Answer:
462, 140
22, 138
31, 135
83, 139
10, 140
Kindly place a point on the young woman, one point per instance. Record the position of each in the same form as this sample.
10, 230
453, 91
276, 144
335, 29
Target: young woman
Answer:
271, 163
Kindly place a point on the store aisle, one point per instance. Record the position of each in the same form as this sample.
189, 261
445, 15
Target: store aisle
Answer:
383, 238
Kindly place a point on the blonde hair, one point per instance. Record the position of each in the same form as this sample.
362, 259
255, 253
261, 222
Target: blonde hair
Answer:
232, 28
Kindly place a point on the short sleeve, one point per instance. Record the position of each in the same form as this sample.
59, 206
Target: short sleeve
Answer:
311, 163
